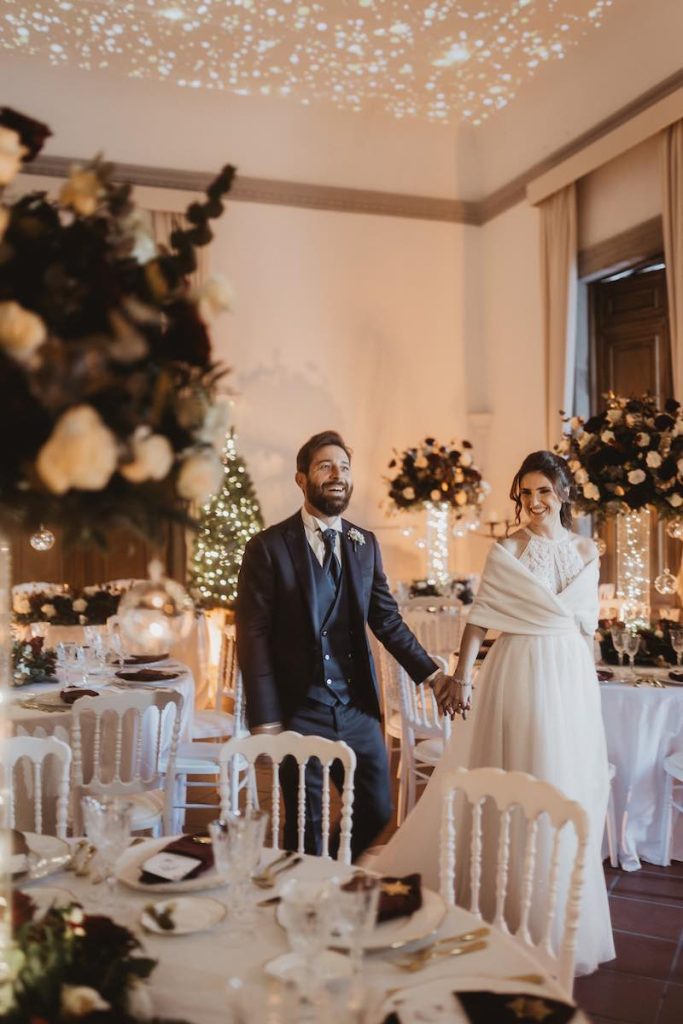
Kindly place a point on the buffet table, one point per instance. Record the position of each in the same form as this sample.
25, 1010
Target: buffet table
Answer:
191, 981
643, 725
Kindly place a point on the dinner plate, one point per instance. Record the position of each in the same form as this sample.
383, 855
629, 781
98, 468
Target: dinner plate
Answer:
46, 855
294, 967
130, 866
188, 914
434, 1002
401, 930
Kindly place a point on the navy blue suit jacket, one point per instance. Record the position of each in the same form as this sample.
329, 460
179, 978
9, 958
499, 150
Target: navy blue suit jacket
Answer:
278, 624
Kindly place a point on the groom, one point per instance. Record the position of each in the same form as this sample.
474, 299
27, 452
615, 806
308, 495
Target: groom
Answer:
307, 589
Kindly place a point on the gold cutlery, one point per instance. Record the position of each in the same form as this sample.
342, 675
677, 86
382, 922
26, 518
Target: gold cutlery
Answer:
267, 878
478, 933
529, 979
419, 964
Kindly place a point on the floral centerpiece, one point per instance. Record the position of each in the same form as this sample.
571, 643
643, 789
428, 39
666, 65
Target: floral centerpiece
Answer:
627, 457
109, 388
91, 606
32, 661
67, 965
433, 473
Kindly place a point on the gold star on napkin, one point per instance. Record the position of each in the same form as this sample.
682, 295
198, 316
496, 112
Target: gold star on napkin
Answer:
397, 888
529, 1009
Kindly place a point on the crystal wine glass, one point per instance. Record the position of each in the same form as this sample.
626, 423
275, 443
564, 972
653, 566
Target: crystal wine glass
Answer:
356, 902
71, 664
676, 635
631, 647
237, 841
308, 914
619, 635
108, 823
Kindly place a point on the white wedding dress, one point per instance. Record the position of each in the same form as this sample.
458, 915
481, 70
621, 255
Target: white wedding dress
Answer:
536, 709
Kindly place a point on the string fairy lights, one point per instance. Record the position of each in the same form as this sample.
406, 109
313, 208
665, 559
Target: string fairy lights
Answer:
633, 567
227, 523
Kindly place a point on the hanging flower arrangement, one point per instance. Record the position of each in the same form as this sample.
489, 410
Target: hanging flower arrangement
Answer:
109, 412
433, 473
629, 456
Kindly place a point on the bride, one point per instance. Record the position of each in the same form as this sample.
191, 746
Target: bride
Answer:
538, 704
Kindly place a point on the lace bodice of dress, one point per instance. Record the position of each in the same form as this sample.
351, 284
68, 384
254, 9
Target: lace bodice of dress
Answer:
554, 563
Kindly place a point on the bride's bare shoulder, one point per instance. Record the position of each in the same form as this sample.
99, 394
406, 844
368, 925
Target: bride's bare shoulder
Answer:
515, 542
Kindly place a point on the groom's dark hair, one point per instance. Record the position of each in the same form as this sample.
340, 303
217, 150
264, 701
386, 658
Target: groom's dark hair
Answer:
307, 451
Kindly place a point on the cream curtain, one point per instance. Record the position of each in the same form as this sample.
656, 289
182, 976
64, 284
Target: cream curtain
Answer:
559, 291
671, 166
163, 222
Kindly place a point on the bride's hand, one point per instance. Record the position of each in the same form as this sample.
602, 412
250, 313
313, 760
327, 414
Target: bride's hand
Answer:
459, 698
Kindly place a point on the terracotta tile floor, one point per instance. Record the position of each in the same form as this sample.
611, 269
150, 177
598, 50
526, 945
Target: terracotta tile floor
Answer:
644, 984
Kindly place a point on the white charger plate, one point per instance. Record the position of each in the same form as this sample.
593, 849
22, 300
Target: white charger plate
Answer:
46, 856
401, 930
293, 967
189, 914
130, 866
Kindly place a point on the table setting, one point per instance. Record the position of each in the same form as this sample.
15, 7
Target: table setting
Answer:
231, 930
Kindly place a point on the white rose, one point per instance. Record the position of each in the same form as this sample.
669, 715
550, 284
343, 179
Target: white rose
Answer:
642, 439
636, 476
152, 457
215, 296
584, 440
574, 464
581, 476
200, 475
563, 445
80, 452
408, 493
461, 498
576, 423
215, 426
21, 332
465, 459
675, 500
607, 436
421, 462
630, 419
653, 459
591, 492
79, 605
80, 1000
21, 604
81, 191
11, 154
435, 495
4, 221
48, 610
614, 415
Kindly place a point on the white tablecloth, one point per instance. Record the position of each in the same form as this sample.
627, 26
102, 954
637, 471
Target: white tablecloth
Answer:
643, 725
190, 981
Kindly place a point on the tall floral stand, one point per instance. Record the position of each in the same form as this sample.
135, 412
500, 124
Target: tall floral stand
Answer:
633, 566
5, 678
437, 542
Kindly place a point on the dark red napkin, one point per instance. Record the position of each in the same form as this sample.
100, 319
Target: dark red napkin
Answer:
184, 846
399, 897
144, 659
69, 696
677, 677
513, 1008
147, 675
604, 674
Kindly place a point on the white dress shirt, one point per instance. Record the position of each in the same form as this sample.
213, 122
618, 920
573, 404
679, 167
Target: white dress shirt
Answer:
314, 528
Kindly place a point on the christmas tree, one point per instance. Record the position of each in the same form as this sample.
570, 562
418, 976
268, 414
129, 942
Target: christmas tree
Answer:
230, 519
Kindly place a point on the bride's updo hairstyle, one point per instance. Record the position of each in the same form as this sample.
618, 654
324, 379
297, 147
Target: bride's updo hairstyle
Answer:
556, 470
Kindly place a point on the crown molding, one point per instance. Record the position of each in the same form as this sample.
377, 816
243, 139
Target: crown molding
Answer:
375, 202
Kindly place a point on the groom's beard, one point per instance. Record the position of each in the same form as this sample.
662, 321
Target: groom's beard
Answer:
327, 502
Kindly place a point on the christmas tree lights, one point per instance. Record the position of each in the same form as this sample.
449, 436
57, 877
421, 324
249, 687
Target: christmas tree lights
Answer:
227, 523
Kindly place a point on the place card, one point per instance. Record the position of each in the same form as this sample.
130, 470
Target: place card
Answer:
171, 867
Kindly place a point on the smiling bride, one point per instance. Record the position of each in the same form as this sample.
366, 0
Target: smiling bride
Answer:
538, 704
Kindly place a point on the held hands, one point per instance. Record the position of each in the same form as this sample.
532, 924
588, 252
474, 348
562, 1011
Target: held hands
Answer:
454, 696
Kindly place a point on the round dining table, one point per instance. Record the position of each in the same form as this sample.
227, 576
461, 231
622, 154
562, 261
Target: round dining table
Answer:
643, 716
196, 972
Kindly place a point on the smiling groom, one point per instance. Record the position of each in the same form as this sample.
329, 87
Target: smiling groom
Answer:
307, 589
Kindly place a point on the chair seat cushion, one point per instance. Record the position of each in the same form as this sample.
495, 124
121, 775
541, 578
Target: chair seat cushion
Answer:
208, 723
429, 751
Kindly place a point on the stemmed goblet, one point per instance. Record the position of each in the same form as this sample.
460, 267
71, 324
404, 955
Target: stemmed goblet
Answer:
619, 634
308, 914
356, 902
71, 663
107, 822
631, 647
676, 636
237, 841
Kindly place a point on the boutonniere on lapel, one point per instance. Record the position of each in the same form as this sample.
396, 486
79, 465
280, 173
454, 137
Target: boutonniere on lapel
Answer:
356, 537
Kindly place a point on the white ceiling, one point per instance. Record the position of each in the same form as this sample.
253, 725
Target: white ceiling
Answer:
454, 61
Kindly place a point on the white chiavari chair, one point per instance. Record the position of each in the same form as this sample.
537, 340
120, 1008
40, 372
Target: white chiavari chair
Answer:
215, 723
45, 754
546, 869
436, 622
424, 734
673, 798
236, 752
132, 740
